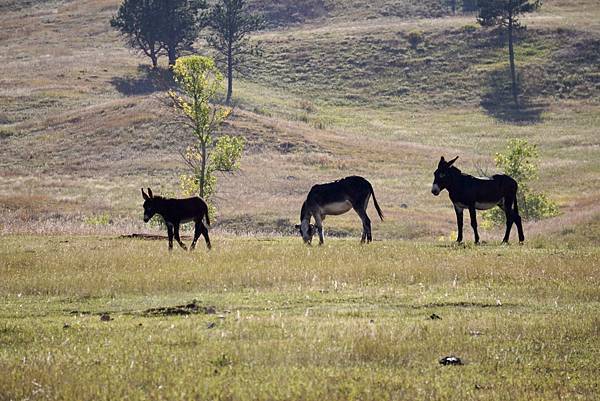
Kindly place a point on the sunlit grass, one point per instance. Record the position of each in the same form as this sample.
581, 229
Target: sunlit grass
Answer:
342, 321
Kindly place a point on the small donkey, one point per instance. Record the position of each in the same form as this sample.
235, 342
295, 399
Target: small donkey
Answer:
175, 212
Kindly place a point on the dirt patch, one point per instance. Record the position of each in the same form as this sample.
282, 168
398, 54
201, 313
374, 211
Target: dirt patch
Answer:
151, 237
187, 309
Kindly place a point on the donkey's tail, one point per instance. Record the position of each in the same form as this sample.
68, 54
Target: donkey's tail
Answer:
379, 212
207, 218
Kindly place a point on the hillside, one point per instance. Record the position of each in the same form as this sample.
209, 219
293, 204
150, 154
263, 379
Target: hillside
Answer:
339, 91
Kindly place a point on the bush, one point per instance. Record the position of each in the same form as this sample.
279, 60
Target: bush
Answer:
520, 162
415, 38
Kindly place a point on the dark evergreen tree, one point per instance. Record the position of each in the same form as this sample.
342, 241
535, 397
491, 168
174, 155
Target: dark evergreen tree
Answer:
231, 22
158, 27
179, 25
137, 20
505, 14
469, 6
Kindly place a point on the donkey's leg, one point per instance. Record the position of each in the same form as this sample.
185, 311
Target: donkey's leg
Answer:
319, 224
473, 214
517, 219
507, 207
366, 222
197, 233
204, 231
459, 222
181, 244
170, 234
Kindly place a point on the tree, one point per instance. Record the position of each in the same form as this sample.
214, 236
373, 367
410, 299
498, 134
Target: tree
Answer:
469, 6
179, 25
198, 81
452, 6
505, 14
157, 27
519, 161
231, 23
137, 20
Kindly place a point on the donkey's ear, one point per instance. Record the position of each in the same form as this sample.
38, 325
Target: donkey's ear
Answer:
146, 197
150, 193
451, 162
442, 159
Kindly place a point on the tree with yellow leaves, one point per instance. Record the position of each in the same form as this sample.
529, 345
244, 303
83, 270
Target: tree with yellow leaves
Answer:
198, 81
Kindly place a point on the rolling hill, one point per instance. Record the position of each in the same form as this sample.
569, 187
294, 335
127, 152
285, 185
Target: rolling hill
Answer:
338, 91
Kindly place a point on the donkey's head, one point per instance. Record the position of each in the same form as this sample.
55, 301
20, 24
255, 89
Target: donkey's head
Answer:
307, 232
149, 205
441, 176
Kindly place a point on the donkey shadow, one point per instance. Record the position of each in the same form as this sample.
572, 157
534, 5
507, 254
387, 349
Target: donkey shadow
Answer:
146, 81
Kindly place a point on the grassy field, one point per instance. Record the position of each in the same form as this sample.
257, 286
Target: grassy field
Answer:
273, 319
338, 91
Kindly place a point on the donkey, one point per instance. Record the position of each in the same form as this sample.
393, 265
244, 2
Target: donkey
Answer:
336, 198
175, 212
468, 192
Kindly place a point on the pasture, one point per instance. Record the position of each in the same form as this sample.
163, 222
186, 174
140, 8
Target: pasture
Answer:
274, 319
86, 314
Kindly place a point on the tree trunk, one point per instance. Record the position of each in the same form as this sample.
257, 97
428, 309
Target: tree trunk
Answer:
202, 180
453, 4
172, 55
154, 60
511, 55
229, 73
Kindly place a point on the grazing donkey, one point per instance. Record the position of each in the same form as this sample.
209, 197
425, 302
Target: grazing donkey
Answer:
336, 198
175, 212
468, 192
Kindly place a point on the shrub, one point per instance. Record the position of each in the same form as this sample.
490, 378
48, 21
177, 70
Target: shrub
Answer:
415, 38
520, 162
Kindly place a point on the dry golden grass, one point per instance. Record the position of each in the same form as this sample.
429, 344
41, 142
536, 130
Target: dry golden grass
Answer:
342, 321
82, 131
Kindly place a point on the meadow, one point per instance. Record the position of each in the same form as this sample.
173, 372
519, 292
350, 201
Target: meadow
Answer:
274, 319
86, 314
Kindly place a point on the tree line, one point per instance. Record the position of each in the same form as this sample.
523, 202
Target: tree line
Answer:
168, 27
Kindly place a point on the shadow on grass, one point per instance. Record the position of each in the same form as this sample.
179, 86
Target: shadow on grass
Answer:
146, 81
498, 102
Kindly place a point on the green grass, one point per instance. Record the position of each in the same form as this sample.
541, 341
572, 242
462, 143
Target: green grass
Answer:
342, 321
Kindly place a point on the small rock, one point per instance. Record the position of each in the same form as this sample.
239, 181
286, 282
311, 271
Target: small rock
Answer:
66, 326
211, 325
435, 317
372, 321
105, 317
210, 310
221, 316
450, 360
475, 333
404, 206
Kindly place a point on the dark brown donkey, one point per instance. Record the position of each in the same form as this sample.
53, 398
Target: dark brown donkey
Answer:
175, 212
474, 193
336, 198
